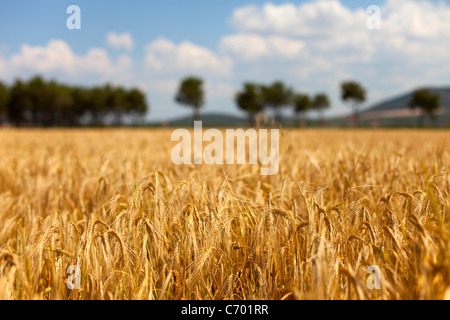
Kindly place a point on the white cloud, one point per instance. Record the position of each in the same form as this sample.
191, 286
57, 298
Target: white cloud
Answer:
120, 40
254, 46
308, 19
165, 56
58, 58
412, 29
220, 90
168, 86
420, 19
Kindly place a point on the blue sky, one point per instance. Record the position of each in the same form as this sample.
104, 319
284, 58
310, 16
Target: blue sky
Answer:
311, 45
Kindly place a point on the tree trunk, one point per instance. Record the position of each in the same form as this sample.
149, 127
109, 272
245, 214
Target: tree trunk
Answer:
196, 115
302, 121
34, 117
277, 114
433, 120
251, 119
320, 117
119, 116
421, 121
355, 116
97, 119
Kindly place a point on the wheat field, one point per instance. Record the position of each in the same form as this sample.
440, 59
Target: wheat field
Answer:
137, 226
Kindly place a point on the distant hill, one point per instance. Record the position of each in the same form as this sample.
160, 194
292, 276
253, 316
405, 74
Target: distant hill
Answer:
395, 111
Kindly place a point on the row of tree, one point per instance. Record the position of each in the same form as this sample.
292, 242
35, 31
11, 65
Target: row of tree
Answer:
254, 98
47, 103
38, 102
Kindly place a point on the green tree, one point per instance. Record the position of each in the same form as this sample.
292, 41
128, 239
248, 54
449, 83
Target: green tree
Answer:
250, 100
302, 104
136, 103
427, 102
39, 93
320, 103
96, 104
61, 111
50, 103
120, 104
355, 94
4, 96
18, 103
190, 93
277, 96
80, 104
115, 102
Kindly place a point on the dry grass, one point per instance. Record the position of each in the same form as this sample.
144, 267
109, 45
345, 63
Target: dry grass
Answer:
140, 227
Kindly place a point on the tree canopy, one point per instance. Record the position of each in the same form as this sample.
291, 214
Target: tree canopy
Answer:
38, 102
190, 93
353, 91
254, 98
302, 104
250, 100
3, 100
355, 94
321, 102
426, 101
276, 96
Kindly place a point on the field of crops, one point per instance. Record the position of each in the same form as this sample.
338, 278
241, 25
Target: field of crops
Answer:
136, 226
